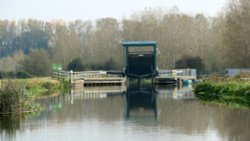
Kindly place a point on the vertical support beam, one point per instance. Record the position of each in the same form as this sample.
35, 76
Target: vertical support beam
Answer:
125, 52
155, 54
126, 58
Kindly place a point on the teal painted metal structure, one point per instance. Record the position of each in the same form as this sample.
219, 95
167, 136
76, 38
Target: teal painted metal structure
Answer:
141, 64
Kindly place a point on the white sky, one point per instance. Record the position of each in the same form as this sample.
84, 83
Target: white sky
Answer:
93, 9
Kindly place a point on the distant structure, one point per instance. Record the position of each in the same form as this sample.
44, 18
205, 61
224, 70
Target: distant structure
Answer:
235, 71
140, 59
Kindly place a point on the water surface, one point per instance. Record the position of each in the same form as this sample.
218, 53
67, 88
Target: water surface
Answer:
120, 114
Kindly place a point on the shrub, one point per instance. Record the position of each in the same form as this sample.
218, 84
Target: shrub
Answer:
233, 93
15, 99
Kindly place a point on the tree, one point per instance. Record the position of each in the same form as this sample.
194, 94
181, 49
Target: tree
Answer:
76, 65
105, 41
33, 39
237, 33
190, 62
110, 64
37, 63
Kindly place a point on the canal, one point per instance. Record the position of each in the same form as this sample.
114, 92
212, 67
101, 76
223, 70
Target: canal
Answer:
166, 113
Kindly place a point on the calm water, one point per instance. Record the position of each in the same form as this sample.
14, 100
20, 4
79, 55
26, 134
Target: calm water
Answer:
109, 114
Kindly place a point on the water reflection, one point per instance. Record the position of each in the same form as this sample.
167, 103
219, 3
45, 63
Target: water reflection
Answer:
11, 124
176, 92
141, 102
160, 113
102, 103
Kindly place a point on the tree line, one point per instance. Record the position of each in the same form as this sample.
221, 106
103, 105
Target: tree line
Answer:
32, 46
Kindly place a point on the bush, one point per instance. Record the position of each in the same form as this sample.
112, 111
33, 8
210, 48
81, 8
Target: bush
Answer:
15, 99
23, 74
50, 87
19, 74
7, 75
234, 93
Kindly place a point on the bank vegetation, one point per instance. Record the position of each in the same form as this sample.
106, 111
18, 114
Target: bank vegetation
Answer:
17, 96
232, 92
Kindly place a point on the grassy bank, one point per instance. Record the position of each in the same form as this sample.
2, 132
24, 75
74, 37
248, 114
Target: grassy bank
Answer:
42, 87
231, 92
18, 95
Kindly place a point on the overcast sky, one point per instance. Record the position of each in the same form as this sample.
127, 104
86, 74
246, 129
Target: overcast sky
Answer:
93, 9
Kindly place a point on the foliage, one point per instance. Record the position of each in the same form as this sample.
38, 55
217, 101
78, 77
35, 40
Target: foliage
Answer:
37, 63
22, 74
237, 33
38, 87
110, 64
14, 98
6, 75
17, 95
229, 92
64, 85
190, 62
35, 38
19, 74
76, 65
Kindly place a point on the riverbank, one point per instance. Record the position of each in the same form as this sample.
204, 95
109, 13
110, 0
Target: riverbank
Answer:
18, 95
232, 92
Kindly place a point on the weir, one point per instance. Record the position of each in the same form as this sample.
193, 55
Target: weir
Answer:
140, 59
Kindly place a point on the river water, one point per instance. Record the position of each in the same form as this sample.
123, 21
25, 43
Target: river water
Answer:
119, 114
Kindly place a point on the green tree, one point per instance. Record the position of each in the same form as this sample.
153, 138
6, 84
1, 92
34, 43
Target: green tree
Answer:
76, 65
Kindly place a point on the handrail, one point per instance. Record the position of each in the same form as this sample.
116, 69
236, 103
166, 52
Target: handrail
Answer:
83, 75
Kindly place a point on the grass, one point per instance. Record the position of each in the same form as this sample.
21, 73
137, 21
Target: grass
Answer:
231, 92
39, 87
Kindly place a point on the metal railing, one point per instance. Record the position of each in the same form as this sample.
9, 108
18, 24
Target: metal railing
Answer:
178, 73
83, 75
